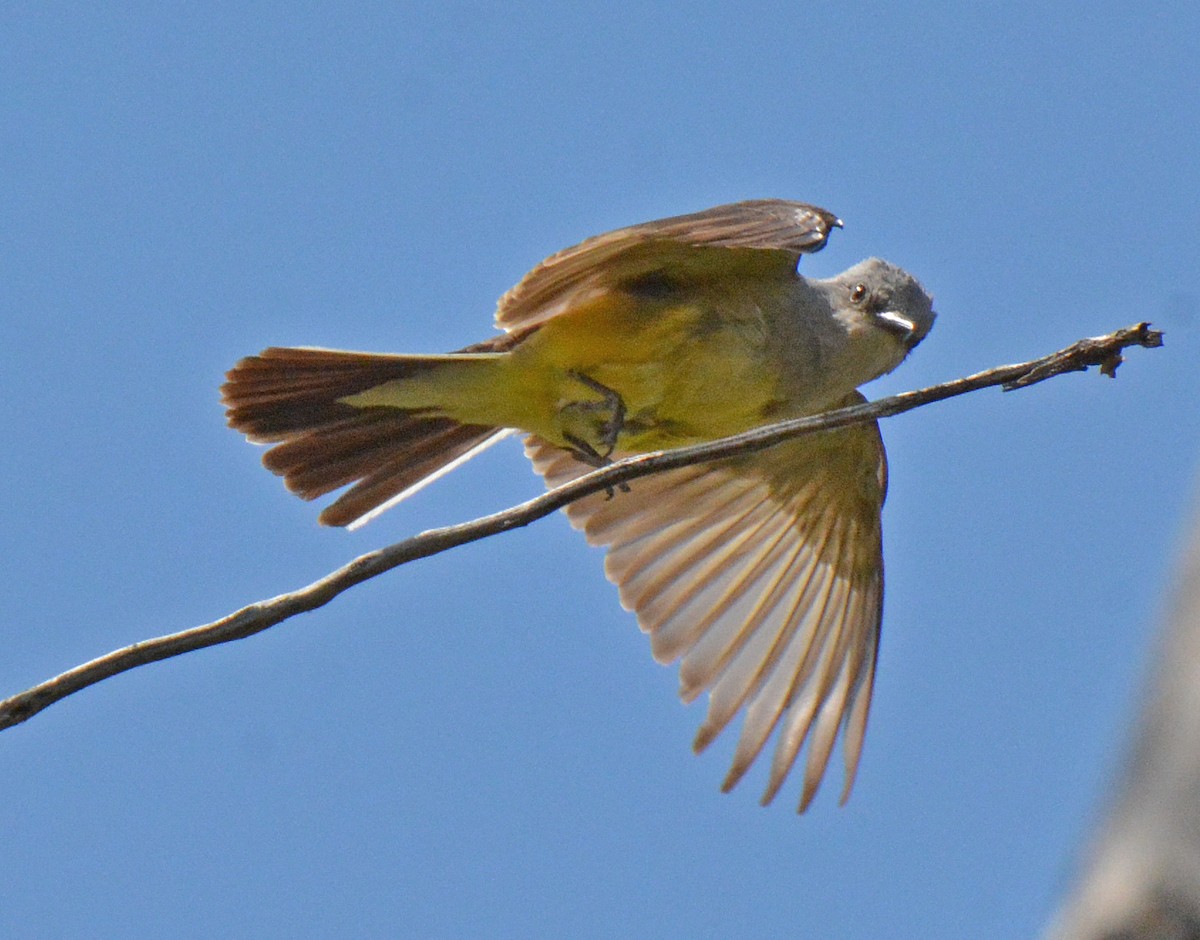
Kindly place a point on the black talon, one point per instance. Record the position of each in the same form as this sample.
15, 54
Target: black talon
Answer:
584, 452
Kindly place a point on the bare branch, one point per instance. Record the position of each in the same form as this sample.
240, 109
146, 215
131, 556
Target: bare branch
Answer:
1103, 351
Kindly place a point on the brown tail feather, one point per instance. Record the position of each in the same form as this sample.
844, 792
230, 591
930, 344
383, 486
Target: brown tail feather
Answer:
281, 392
439, 451
290, 397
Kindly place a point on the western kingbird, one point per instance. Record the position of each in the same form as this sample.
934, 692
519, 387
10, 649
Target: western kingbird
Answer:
762, 574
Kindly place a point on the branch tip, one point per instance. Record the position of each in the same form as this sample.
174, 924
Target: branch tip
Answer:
1102, 351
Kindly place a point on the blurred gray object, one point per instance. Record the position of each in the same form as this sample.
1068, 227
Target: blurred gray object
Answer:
1141, 880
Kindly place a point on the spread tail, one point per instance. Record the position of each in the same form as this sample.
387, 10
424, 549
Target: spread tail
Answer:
293, 398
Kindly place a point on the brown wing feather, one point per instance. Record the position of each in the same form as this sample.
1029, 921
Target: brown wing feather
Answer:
756, 235
764, 577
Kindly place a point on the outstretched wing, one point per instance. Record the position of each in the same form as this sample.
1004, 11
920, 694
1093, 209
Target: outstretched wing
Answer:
757, 237
763, 575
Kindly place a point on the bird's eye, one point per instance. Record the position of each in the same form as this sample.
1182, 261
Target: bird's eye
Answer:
858, 294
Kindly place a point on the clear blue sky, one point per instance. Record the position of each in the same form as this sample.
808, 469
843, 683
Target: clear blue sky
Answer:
479, 744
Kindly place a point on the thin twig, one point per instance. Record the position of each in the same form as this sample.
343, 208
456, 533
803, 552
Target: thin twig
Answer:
1102, 351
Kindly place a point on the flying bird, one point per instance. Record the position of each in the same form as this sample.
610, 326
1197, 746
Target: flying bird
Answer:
762, 575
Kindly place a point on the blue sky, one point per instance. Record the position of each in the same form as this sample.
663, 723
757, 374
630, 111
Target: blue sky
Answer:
480, 744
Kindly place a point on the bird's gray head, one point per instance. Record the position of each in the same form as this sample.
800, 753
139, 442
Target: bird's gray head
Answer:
877, 295
884, 314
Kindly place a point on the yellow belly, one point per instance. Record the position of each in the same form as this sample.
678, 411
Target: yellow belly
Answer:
683, 374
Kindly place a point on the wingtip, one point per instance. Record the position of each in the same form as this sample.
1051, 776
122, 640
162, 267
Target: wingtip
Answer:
807, 796
732, 778
705, 736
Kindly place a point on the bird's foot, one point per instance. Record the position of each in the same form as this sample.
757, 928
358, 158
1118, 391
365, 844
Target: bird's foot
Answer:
611, 404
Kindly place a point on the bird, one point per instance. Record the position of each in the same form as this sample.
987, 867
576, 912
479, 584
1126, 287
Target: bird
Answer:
762, 574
